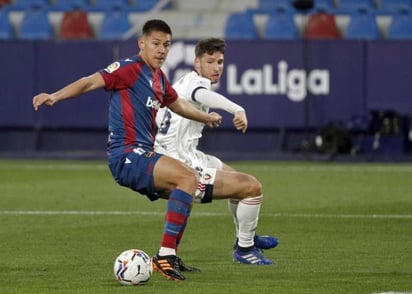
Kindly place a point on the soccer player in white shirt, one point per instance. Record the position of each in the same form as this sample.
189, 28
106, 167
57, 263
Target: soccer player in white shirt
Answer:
178, 137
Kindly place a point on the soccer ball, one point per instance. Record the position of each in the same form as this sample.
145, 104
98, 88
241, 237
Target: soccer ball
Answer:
133, 267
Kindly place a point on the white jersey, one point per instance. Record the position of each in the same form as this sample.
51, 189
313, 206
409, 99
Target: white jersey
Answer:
177, 136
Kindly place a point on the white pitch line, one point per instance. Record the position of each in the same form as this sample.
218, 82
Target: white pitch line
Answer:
355, 167
212, 214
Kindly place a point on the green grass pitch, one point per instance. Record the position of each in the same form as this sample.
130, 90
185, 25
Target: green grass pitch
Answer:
343, 228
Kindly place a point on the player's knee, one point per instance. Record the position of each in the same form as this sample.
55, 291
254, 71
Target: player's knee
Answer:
255, 187
188, 181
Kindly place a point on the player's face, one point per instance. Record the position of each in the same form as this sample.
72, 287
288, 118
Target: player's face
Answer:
154, 48
211, 66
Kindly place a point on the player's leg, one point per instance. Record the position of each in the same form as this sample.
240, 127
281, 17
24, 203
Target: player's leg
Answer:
261, 242
232, 205
172, 175
248, 191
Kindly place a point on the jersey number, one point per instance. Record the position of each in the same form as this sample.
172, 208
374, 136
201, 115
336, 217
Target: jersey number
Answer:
165, 124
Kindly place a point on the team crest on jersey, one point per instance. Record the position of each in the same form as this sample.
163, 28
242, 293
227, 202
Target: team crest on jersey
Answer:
112, 67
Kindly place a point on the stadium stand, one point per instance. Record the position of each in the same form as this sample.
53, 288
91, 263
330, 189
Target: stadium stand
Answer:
209, 18
75, 25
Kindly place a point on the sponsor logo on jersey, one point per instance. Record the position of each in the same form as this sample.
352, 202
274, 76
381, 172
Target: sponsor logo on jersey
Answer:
152, 103
112, 67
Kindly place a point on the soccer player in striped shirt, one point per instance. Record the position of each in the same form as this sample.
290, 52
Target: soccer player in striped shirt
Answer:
138, 88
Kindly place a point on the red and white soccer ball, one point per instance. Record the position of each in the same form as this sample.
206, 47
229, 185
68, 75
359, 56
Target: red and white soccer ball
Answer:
133, 267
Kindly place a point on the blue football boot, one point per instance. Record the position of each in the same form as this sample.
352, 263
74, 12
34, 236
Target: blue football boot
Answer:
253, 256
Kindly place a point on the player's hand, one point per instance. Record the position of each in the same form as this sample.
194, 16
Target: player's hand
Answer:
215, 120
43, 98
240, 121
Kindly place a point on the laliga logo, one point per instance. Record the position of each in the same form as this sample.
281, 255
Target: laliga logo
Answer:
294, 83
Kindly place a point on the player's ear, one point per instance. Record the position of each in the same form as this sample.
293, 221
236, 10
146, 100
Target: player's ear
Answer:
140, 43
197, 63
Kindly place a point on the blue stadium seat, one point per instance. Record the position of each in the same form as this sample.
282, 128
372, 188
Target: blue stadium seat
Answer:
6, 28
103, 5
323, 6
25, 4
146, 5
35, 24
67, 5
352, 6
363, 25
115, 23
271, 5
393, 6
281, 25
401, 25
241, 25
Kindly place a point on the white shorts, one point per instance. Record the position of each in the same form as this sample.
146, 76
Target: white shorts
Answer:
206, 165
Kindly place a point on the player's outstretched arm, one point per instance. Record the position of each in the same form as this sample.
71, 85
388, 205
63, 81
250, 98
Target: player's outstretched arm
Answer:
185, 109
215, 100
81, 86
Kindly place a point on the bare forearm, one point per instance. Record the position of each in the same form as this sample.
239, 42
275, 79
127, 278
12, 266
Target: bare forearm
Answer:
185, 109
194, 114
74, 89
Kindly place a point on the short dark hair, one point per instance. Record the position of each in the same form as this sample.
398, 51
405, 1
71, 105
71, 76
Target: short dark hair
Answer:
156, 25
210, 46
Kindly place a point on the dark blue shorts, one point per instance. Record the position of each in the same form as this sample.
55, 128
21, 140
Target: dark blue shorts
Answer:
135, 171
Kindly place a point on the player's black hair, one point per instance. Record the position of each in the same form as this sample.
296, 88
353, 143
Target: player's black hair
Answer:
210, 46
156, 25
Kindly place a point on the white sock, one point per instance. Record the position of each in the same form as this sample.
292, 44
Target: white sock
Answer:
163, 251
232, 205
248, 216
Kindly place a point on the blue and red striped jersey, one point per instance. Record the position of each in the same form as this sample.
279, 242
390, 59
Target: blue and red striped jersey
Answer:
136, 93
